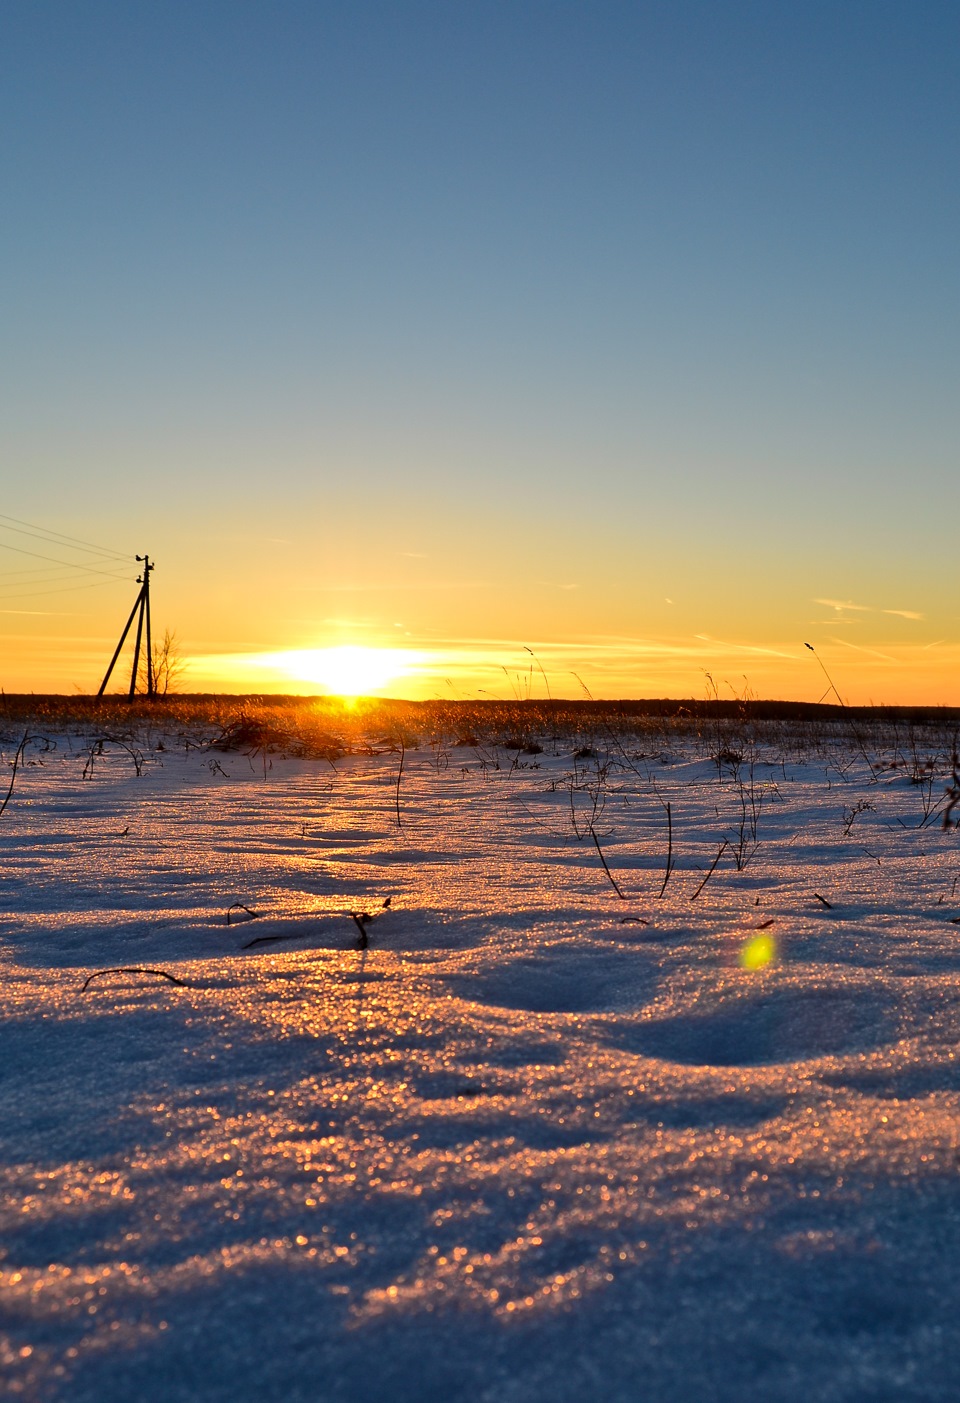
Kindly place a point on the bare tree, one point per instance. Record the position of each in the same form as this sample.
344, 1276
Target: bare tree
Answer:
167, 665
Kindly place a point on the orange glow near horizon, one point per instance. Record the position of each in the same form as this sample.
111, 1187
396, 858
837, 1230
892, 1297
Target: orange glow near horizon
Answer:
920, 673
615, 667
346, 671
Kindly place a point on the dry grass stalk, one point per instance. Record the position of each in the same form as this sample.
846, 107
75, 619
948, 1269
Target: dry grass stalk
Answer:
613, 880
403, 752
669, 869
17, 759
713, 867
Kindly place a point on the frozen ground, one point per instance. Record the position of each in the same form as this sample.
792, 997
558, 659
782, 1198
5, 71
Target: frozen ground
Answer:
536, 1142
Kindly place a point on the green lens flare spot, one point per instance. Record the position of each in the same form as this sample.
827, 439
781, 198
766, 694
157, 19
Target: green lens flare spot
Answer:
758, 952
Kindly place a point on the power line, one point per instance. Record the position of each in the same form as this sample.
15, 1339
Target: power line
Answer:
107, 556
27, 588
30, 528
43, 574
29, 574
41, 579
68, 589
69, 564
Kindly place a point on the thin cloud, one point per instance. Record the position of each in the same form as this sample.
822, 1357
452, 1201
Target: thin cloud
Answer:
841, 604
744, 647
374, 587
871, 651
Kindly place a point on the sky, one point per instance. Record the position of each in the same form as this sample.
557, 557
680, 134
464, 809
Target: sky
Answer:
624, 333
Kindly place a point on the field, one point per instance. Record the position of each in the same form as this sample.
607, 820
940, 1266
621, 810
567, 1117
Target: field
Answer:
510, 1053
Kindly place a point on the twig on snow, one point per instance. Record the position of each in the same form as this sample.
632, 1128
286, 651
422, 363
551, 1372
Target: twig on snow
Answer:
133, 969
16, 765
952, 791
361, 919
361, 924
666, 875
238, 906
713, 867
403, 752
613, 881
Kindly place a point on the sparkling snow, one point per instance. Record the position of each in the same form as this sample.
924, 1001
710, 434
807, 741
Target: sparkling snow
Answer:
535, 1142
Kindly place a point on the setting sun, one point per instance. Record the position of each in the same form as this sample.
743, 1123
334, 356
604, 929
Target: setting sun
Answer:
346, 671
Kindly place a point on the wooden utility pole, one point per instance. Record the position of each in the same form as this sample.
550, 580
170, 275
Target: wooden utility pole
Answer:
140, 612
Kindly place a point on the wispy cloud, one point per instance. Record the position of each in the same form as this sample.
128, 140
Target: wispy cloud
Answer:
841, 604
374, 587
744, 647
872, 652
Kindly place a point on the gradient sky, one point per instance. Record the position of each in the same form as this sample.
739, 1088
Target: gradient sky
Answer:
625, 332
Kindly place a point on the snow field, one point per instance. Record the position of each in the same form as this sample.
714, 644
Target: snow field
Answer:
535, 1141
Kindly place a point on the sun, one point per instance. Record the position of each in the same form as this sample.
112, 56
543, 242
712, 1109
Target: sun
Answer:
349, 670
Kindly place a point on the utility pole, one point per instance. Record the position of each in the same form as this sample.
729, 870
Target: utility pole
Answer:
147, 567
140, 612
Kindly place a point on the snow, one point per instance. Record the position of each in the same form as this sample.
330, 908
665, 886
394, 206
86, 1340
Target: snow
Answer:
535, 1142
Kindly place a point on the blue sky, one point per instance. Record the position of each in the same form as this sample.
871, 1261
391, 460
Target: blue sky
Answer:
503, 320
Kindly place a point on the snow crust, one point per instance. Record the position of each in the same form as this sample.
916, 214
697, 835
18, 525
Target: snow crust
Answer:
536, 1141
